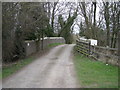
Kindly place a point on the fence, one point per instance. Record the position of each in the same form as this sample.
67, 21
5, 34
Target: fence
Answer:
83, 47
106, 55
31, 46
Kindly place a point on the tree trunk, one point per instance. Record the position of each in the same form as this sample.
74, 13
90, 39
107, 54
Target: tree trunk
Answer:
94, 3
115, 40
106, 15
53, 16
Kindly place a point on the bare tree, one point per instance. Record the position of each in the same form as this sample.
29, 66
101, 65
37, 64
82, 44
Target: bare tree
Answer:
66, 26
107, 21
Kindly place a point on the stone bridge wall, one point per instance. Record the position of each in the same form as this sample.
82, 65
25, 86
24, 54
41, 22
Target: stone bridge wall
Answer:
31, 46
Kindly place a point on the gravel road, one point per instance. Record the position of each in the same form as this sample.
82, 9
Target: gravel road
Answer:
54, 70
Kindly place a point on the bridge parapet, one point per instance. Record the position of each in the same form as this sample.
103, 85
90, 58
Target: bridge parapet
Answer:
32, 46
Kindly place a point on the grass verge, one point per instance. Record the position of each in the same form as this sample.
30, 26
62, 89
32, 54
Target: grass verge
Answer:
0, 75
95, 74
8, 70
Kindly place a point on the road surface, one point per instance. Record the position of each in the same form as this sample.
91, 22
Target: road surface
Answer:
54, 70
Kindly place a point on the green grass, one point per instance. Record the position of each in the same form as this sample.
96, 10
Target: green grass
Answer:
54, 44
8, 70
95, 74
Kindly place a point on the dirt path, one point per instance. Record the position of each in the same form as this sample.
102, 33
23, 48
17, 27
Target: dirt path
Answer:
54, 70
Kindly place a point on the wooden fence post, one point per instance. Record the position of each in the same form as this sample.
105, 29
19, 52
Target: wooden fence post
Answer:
89, 48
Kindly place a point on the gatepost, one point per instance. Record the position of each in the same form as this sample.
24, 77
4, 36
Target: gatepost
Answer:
119, 48
119, 59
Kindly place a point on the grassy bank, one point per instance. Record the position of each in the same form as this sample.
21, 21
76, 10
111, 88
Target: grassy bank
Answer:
8, 70
95, 74
0, 74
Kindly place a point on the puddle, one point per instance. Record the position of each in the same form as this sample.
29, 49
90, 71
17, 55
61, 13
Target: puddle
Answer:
54, 58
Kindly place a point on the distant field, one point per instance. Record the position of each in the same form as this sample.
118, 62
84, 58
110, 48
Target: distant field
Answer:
54, 44
95, 74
